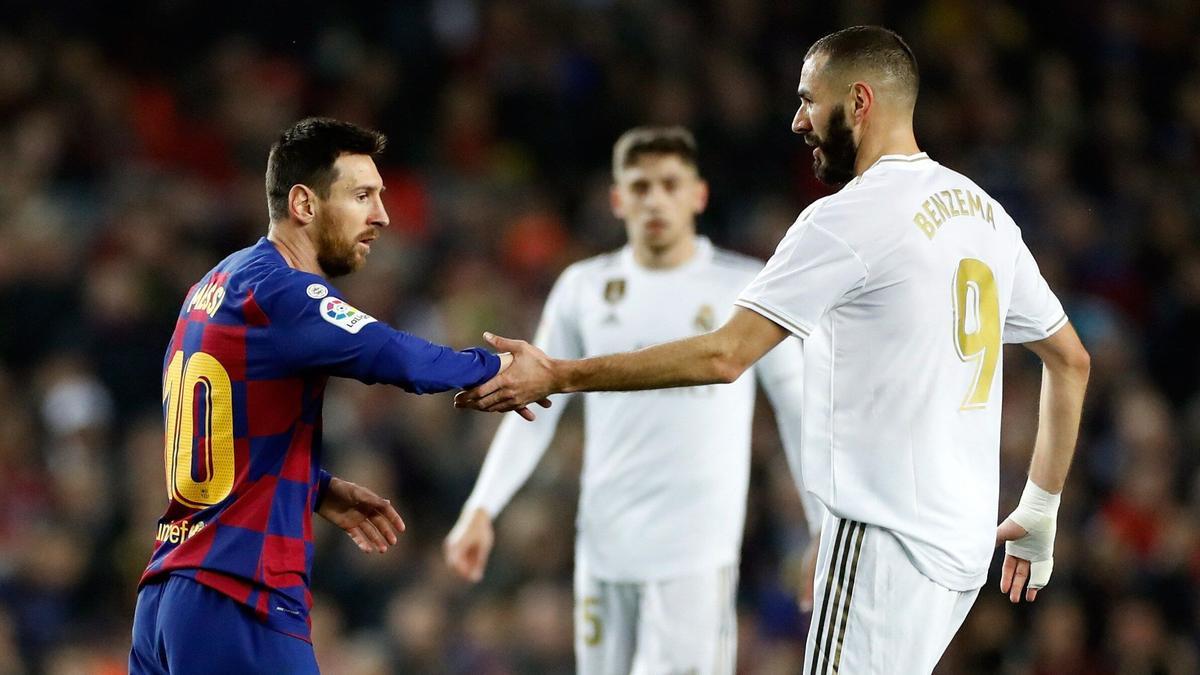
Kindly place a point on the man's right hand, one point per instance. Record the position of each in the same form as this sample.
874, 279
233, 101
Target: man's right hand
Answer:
469, 544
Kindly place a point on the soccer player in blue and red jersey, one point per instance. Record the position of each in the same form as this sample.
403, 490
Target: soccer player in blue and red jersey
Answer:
226, 589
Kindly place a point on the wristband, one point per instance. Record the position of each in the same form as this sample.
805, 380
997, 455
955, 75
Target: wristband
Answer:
1037, 514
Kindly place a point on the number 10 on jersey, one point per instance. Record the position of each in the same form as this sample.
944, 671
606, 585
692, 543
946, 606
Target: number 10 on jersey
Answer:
977, 327
199, 455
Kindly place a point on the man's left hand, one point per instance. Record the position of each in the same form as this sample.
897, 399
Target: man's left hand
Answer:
369, 519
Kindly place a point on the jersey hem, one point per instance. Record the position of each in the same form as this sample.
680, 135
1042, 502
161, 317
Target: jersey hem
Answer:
775, 316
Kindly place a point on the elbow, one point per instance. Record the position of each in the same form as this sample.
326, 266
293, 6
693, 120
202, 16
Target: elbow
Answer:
1081, 362
1075, 362
727, 367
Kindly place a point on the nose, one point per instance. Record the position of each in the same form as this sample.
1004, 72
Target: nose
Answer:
801, 124
654, 197
379, 216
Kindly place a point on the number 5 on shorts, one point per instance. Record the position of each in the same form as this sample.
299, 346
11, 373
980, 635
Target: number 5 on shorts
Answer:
977, 327
595, 629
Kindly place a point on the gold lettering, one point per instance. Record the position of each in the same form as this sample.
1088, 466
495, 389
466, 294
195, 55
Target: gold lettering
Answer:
954, 212
178, 531
924, 225
975, 202
941, 207
931, 213
958, 200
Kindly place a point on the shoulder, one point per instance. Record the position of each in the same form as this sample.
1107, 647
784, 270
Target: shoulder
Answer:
282, 292
832, 215
727, 259
590, 268
736, 265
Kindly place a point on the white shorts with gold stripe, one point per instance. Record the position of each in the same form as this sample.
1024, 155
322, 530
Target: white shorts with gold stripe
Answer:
685, 624
874, 612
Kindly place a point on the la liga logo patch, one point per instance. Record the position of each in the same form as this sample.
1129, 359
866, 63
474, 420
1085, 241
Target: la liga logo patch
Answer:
343, 315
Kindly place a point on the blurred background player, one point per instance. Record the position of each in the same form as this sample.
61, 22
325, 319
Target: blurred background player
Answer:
904, 286
227, 587
665, 472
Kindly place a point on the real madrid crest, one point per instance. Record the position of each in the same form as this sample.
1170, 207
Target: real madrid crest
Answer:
706, 319
614, 290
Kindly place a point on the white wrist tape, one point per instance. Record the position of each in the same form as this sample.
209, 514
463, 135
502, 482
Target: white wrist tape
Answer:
1037, 513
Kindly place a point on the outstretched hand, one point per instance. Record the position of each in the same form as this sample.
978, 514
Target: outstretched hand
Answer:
370, 520
469, 544
1016, 571
525, 377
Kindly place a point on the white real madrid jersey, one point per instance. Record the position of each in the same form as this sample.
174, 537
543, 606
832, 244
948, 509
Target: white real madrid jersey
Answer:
664, 472
903, 286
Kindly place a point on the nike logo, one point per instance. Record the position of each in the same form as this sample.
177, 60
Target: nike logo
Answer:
293, 612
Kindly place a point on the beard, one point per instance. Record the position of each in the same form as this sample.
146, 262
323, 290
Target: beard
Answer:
336, 257
838, 150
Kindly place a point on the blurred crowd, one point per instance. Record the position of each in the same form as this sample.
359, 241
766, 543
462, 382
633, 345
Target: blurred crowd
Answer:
132, 149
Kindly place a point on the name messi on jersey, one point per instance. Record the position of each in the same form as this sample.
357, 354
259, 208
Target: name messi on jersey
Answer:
942, 206
208, 299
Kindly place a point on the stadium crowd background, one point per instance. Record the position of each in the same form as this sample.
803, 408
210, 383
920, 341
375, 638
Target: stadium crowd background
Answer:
132, 149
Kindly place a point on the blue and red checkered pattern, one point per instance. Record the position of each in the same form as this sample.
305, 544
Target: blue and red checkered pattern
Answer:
278, 333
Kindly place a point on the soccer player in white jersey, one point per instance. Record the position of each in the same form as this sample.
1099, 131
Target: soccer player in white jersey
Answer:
665, 473
903, 286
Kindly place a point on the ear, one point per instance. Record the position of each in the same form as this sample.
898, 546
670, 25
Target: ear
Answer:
615, 202
302, 203
701, 197
862, 99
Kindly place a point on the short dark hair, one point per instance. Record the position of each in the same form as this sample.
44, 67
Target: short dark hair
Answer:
640, 141
872, 47
305, 154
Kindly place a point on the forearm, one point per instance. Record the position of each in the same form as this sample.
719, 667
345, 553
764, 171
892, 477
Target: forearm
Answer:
703, 359
1061, 407
422, 367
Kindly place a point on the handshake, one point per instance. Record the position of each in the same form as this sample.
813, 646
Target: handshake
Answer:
527, 375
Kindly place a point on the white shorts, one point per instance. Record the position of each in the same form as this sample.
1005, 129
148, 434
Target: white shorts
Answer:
874, 611
685, 625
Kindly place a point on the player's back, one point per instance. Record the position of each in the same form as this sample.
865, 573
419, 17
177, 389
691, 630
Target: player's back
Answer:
242, 439
903, 386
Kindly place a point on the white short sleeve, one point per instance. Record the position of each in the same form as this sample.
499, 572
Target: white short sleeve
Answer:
1034, 312
811, 271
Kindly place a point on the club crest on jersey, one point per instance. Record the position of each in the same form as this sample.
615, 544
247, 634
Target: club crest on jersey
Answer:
614, 290
342, 315
706, 319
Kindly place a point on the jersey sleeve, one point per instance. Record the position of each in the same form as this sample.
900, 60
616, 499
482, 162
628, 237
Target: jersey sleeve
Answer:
810, 273
519, 445
312, 329
1034, 313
